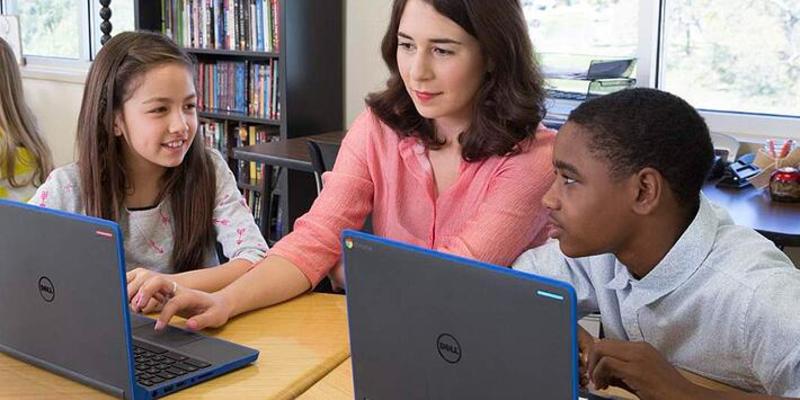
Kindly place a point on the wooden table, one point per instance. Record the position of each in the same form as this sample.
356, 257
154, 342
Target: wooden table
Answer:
300, 341
751, 207
338, 385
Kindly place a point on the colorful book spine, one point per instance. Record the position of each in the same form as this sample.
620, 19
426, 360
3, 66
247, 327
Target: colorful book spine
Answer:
249, 25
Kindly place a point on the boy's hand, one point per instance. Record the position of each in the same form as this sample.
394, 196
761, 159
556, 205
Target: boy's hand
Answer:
585, 343
637, 367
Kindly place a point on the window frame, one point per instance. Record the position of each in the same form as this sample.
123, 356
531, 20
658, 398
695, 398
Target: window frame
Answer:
753, 127
67, 69
744, 126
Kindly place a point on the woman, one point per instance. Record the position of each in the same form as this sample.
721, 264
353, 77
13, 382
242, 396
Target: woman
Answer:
450, 156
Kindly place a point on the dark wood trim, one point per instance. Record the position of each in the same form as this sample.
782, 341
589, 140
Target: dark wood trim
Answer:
236, 54
236, 116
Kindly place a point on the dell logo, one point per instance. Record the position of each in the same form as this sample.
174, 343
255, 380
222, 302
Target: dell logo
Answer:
449, 348
46, 289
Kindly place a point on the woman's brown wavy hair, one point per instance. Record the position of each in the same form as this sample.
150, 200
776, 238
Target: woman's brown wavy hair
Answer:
510, 102
191, 187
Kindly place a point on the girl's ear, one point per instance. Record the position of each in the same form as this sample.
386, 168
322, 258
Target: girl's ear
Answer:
119, 124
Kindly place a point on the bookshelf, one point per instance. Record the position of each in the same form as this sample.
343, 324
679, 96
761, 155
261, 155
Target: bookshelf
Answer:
305, 99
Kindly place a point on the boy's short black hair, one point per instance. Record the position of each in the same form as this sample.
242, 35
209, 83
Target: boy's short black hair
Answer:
638, 128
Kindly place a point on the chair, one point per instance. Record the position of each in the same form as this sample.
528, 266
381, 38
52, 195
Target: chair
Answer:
323, 156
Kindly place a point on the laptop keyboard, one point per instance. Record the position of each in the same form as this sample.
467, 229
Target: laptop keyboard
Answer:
155, 364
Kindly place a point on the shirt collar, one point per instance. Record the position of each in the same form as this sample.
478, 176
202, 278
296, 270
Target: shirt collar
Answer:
680, 262
622, 278
414, 155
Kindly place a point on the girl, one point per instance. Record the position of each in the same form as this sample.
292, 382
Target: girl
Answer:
450, 156
140, 164
25, 159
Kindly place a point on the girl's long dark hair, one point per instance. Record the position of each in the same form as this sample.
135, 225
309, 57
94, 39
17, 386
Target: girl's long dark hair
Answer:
191, 186
510, 102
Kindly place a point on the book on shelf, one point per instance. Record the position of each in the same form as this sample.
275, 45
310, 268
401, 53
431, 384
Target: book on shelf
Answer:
253, 199
252, 172
245, 25
250, 175
263, 94
245, 87
214, 136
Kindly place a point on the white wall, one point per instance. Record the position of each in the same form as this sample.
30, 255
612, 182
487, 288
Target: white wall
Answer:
365, 72
55, 103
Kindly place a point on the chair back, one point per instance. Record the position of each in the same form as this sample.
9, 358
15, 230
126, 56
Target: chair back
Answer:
323, 156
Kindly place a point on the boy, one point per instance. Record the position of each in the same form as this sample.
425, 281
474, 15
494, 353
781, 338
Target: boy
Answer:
676, 282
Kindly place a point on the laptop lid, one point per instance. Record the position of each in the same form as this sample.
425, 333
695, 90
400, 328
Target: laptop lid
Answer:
424, 324
64, 273
45, 296
608, 69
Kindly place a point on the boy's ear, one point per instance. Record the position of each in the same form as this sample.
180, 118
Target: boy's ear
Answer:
649, 185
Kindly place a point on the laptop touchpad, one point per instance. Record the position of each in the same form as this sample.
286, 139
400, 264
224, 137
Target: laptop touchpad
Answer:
170, 336
138, 320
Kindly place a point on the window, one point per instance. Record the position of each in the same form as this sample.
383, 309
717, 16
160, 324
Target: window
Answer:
737, 55
569, 34
64, 30
49, 28
737, 61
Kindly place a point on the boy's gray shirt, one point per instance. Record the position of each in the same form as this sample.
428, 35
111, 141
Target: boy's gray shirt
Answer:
723, 303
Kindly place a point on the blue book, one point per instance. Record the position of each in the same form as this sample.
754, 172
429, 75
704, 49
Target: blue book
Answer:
241, 85
259, 25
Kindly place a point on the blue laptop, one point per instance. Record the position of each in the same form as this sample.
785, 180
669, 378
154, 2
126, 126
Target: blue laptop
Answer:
427, 325
63, 307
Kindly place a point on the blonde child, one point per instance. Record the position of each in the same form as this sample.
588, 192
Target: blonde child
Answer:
25, 159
